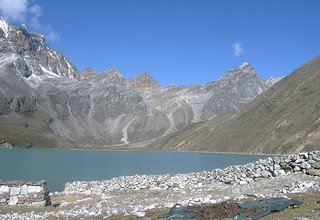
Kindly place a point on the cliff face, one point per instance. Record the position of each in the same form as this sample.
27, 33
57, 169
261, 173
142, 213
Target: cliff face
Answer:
285, 118
31, 55
45, 101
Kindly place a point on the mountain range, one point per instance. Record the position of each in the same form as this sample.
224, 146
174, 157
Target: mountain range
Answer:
283, 119
46, 102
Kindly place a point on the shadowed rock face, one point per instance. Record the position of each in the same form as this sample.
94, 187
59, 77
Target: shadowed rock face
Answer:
285, 118
45, 102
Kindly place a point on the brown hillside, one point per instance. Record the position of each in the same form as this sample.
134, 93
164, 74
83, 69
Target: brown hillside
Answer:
285, 118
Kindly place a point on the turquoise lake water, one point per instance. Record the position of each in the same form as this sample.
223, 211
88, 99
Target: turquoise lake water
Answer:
59, 166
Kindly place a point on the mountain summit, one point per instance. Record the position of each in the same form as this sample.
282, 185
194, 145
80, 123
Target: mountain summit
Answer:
243, 69
30, 51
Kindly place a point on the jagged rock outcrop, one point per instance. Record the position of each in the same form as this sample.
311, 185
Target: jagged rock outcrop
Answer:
234, 89
30, 53
45, 102
143, 81
109, 76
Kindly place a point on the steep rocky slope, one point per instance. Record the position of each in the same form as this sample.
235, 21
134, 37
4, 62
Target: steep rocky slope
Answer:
45, 101
285, 118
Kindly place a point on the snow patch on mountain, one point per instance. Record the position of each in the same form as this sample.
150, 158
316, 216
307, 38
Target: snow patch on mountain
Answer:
244, 65
4, 26
49, 73
272, 80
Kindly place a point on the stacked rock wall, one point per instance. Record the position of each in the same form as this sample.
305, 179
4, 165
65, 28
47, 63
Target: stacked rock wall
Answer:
17, 192
307, 162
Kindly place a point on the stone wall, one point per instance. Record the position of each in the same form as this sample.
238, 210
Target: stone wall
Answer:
17, 192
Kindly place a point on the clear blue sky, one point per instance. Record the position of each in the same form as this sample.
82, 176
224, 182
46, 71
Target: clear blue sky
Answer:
182, 41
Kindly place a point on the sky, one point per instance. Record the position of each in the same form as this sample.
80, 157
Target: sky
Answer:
184, 42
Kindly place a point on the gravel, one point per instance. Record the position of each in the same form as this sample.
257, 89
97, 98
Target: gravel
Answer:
265, 178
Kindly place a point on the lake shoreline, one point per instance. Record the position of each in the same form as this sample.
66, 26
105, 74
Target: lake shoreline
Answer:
59, 166
138, 194
147, 150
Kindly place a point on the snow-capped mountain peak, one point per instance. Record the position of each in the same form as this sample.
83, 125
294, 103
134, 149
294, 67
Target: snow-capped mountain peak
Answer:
4, 27
33, 52
243, 65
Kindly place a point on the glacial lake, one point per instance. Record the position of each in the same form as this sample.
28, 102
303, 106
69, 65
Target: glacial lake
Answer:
59, 166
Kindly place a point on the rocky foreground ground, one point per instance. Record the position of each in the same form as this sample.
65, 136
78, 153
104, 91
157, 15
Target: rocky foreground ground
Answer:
136, 196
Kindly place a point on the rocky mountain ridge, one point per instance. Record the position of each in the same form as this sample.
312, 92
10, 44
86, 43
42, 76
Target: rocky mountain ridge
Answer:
45, 101
30, 53
285, 118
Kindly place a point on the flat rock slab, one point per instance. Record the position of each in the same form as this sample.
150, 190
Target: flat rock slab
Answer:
231, 210
314, 172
